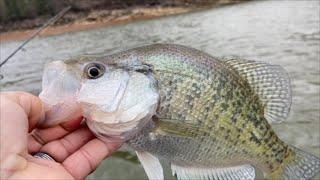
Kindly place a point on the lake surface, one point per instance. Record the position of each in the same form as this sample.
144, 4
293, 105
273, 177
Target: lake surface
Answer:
280, 32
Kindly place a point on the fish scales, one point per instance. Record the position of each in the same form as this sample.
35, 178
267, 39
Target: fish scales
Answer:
213, 98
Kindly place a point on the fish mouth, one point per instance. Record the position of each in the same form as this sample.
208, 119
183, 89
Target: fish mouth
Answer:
59, 113
118, 132
117, 104
59, 91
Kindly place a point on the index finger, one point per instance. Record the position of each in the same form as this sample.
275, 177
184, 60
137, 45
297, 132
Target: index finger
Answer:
82, 162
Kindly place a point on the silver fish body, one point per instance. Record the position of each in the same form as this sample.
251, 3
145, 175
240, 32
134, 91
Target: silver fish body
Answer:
209, 117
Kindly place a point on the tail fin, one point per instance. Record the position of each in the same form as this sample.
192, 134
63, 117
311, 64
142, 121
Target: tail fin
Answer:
304, 166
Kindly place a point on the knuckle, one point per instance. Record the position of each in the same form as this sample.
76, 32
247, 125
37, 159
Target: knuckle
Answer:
88, 158
36, 136
66, 145
56, 150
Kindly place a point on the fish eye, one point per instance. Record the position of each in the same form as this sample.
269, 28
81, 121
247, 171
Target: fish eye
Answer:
94, 70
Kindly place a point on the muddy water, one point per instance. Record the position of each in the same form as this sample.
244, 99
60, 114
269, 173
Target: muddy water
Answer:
280, 32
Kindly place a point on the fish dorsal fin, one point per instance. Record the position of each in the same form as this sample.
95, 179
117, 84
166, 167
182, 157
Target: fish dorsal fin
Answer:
270, 82
151, 165
242, 172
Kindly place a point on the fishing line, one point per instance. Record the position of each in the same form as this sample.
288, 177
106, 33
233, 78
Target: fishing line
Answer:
49, 22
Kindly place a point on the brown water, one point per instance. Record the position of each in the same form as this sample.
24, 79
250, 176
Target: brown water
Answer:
280, 32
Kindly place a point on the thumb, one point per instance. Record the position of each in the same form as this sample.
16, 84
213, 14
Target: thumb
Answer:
31, 105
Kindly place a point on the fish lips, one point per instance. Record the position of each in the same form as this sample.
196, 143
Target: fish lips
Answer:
59, 92
59, 113
121, 131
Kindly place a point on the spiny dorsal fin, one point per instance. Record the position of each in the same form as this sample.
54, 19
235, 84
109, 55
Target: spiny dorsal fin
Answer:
270, 82
241, 172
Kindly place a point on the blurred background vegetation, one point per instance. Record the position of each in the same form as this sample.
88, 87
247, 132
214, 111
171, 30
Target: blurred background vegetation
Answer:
11, 10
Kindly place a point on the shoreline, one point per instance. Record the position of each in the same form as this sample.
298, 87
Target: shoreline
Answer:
99, 19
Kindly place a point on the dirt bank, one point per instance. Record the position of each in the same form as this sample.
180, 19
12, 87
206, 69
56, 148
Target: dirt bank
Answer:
97, 17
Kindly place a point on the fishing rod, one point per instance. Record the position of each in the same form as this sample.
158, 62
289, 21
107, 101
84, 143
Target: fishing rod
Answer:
49, 22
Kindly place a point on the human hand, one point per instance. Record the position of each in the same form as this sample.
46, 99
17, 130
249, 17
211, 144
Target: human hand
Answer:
75, 149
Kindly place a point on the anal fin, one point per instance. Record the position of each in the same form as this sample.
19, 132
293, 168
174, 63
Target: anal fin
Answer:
241, 172
151, 165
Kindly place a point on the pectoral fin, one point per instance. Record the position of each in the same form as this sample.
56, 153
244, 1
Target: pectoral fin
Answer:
242, 172
151, 165
177, 128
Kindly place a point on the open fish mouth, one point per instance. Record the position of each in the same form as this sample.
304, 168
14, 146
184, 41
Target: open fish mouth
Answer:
117, 102
59, 92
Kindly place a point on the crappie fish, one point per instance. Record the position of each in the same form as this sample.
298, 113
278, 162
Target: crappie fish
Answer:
209, 117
